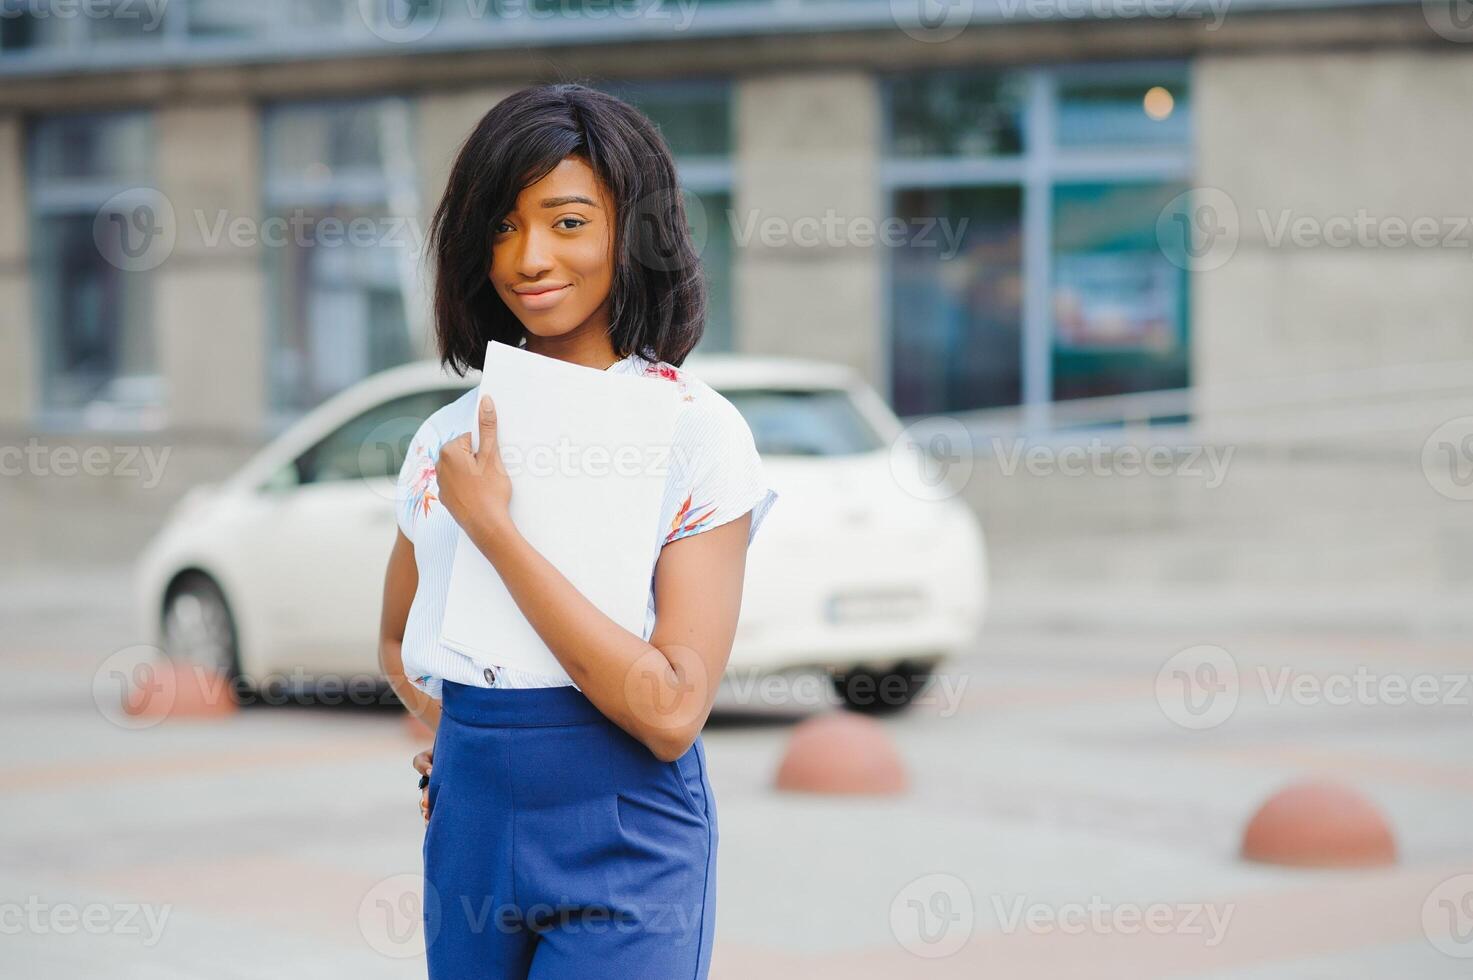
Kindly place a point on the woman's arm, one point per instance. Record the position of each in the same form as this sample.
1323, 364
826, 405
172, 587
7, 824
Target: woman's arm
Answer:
659, 691
400, 581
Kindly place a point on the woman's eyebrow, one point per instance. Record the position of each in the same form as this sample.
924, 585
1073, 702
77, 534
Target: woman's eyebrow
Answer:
557, 202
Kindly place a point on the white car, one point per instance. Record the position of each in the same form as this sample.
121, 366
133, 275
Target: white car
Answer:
861, 567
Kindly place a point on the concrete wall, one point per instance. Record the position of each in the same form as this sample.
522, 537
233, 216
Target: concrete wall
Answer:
1315, 136
209, 337
442, 122
19, 366
807, 144
209, 295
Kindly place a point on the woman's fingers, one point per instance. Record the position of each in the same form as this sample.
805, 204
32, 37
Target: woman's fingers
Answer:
487, 422
422, 765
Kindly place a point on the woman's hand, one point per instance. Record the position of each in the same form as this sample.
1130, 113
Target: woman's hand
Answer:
422, 765
474, 486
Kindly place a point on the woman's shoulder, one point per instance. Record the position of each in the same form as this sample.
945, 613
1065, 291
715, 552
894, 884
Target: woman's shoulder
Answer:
446, 422
442, 425
704, 406
710, 433
664, 369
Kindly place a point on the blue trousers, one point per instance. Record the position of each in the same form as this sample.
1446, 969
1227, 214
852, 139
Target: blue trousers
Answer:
559, 846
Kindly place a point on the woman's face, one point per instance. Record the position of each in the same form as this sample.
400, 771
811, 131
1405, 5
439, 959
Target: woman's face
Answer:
552, 255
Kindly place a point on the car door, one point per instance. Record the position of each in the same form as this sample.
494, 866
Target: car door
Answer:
334, 529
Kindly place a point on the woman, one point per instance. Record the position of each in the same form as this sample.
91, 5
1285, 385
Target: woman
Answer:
571, 830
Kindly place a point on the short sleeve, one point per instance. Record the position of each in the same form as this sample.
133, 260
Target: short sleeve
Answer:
723, 476
415, 488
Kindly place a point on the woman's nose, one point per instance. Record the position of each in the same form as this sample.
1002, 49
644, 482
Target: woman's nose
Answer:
532, 258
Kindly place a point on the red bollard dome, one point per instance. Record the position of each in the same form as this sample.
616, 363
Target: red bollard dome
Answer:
1319, 824
841, 752
166, 689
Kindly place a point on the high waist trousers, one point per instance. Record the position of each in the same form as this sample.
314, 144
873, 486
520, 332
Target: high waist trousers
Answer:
559, 846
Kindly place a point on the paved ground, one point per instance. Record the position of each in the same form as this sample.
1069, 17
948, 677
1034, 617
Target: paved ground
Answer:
1054, 807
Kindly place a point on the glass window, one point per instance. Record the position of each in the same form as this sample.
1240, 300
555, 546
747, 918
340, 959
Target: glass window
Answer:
804, 423
233, 19
717, 245
320, 143
131, 21
1109, 113
230, 19
957, 115
76, 23
695, 119
1097, 153
374, 444
1119, 305
91, 147
956, 341
340, 261
93, 306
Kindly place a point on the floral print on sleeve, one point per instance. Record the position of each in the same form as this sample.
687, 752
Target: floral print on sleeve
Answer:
663, 370
685, 524
423, 487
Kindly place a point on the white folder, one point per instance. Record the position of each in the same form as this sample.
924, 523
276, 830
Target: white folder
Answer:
588, 453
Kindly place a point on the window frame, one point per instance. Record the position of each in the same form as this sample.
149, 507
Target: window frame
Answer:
48, 197
393, 192
1041, 167
699, 174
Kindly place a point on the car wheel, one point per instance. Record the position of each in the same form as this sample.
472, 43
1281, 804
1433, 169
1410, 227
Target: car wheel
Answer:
871, 691
198, 627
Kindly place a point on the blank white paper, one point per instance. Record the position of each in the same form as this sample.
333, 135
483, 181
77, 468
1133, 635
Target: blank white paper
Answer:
588, 454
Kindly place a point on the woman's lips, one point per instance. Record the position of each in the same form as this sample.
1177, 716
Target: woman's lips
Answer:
543, 300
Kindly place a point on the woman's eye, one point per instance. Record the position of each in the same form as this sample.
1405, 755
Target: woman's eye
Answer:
498, 227
576, 221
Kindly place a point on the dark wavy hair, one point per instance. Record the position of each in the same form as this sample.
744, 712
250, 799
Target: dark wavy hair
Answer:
658, 306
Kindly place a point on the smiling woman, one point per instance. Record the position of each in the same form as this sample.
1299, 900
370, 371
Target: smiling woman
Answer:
582, 236
578, 237
563, 806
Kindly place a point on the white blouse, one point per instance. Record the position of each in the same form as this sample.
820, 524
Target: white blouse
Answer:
722, 481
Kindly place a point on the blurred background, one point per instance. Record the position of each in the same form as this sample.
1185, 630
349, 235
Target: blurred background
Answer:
1176, 293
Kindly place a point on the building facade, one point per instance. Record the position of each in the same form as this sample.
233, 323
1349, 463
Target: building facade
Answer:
222, 209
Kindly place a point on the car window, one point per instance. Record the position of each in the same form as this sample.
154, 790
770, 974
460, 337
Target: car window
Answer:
374, 443
815, 422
